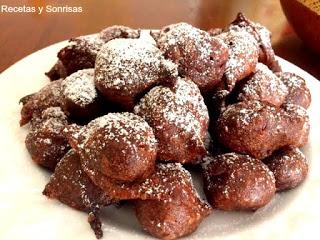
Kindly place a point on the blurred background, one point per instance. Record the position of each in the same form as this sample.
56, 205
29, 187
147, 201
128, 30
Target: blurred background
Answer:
24, 33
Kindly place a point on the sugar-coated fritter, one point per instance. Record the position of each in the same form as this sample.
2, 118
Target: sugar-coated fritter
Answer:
298, 92
71, 186
258, 128
80, 97
177, 216
289, 166
121, 146
237, 182
199, 56
179, 118
264, 86
263, 38
243, 56
33, 104
45, 142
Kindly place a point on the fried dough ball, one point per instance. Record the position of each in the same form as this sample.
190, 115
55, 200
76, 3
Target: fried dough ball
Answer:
34, 104
199, 56
258, 129
262, 36
120, 146
179, 118
298, 92
71, 186
177, 216
243, 56
81, 99
264, 86
45, 142
127, 68
289, 166
237, 182
82, 51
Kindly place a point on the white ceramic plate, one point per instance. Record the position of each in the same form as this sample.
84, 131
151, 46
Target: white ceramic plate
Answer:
26, 214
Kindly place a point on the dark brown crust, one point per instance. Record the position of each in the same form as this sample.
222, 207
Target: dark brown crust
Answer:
168, 189
79, 54
258, 129
118, 163
53, 95
158, 186
118, 31
81, 114
260, 115
57, 71
95, 224
237, 182
289, 166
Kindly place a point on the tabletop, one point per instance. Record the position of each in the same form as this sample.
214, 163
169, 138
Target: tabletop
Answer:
22, 33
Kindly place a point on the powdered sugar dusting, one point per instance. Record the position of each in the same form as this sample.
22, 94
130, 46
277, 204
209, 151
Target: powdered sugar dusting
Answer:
261, 34
89, 43
245, 115
128, 64
199, 56
289, 166
180, 34
79, 87
171, 107
127, 126
264, 85
170, 176
118, 31
293, 80
51, 119
243, 49
296, 110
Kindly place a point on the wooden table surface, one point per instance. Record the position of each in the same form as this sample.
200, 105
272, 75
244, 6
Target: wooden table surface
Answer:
24, 33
